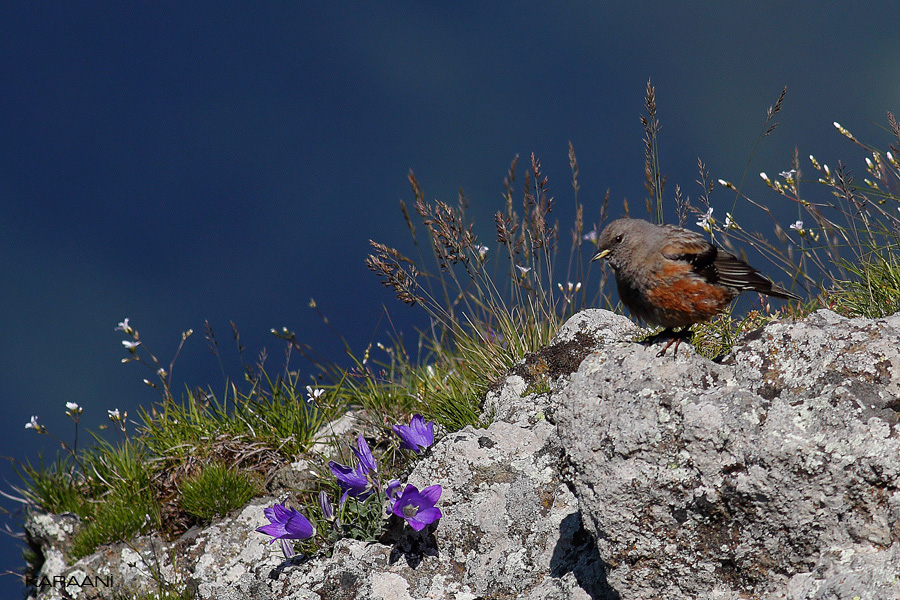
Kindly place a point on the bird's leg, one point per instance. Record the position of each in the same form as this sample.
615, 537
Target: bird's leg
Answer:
672, 336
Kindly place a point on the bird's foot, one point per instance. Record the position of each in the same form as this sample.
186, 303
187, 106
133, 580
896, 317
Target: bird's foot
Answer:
673, 337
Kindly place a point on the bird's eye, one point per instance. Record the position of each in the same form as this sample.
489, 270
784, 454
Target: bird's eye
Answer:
619, 238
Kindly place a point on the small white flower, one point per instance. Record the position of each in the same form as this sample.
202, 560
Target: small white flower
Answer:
73, 410
523, 269
33, 424
313, 394
765, 177
797, 226
726, 184
590, 236
870, 164
482, 251
729, 222
788, 176
124, 326
570, 288
130, 345
114, 415
706, 221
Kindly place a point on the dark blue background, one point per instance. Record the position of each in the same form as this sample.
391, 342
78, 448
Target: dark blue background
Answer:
173, 162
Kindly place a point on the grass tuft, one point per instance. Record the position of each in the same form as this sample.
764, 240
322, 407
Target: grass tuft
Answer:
217, 489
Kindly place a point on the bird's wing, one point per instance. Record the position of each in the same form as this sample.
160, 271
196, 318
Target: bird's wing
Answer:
735, 273
719, 266
691, 248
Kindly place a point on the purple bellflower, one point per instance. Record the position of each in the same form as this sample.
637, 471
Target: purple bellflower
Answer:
325, 506
353, 482
286, 524
417, 436
364, 455
418, 508
356, 481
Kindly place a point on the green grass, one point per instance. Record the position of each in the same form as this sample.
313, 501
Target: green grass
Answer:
55, 488
217, 489
168, 473
118, 516
873, 290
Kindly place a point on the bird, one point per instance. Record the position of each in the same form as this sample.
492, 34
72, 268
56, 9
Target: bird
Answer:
674, 278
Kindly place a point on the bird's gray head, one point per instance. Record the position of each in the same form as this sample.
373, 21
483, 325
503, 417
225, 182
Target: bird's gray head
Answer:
623, 238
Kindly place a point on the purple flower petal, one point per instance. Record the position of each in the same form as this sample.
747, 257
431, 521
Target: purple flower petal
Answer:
286, 523
353, 482
432, 494
325, 506
424, 518
392, 491
287, 548
276, 530
364, 455
417, 435
416, 507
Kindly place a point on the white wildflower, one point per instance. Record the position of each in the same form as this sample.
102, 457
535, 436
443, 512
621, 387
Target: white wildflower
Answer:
313, 394
124, 326
706, 221
729, 222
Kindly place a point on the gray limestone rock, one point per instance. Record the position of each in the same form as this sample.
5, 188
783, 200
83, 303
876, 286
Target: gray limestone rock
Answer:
772, 475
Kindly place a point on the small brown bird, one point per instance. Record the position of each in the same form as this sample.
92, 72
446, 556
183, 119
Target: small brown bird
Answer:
673, 277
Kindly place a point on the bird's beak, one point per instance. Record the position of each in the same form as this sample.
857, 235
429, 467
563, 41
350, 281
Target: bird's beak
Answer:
601, 254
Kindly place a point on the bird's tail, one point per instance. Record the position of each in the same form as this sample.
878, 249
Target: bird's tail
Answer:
735, 273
